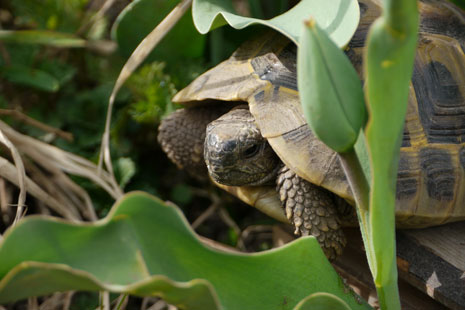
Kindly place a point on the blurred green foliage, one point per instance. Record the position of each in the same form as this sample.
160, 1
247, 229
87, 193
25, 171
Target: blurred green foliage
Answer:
68, 88
57, 15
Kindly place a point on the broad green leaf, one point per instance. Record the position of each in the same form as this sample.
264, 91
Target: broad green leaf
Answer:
140, 17
339, 18
329, 89
30, 77
144, 247
41, 37
389, 61
322, 301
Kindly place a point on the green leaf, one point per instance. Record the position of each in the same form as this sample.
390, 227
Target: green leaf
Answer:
329, 89
126, 169
144, 247
140, 17
391, 45
41, 37
339, 18
322, 301
30, 77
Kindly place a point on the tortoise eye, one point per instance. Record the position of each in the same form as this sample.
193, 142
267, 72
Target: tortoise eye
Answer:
251, 151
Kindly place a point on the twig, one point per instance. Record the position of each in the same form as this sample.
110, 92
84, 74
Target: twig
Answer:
205, 215
224, 215
254, 228
217, 245
28, 120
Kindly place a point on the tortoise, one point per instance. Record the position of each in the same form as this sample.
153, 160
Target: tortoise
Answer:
243, 120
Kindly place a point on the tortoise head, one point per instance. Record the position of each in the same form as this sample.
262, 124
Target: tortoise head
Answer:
235, 152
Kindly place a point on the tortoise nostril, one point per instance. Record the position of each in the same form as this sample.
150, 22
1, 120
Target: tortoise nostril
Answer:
251, 151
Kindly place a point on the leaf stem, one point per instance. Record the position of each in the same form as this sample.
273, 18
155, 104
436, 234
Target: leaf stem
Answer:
357, 181
361, 190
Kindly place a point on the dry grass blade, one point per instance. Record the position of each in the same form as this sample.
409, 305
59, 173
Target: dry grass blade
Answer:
32, 303
137, 57
21, 174
29, 120
67, 300
47, 165
121, 302
5, 201
159, 305
104, 301
51, 182
57, 301
55, 159
96, 17
10, 173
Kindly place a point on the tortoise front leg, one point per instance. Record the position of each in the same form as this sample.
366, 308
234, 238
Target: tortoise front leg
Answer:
311, 210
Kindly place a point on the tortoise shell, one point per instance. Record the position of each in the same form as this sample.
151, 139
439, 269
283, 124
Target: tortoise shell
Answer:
431, 175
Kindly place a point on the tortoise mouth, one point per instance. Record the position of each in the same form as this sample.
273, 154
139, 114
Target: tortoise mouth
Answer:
236, 177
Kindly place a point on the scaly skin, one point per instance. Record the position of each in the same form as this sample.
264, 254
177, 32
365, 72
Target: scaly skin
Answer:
312, 210
182, 134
